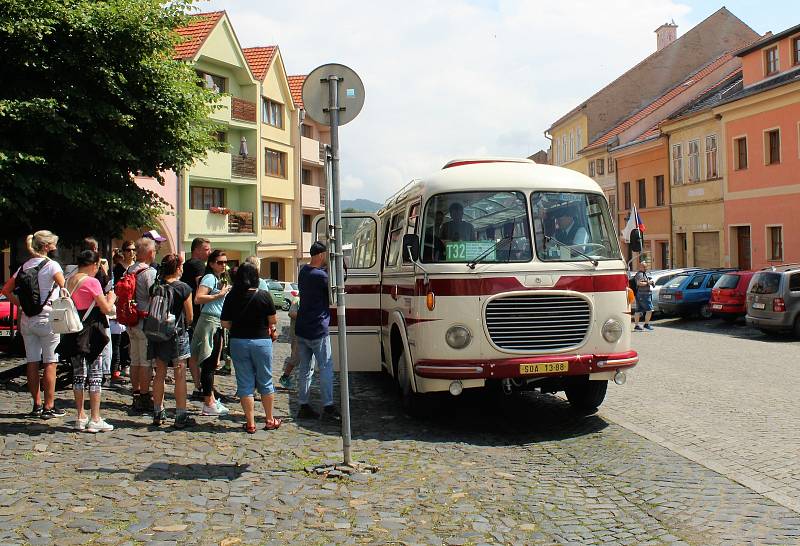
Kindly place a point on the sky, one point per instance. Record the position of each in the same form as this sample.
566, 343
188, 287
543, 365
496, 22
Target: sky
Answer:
450, 79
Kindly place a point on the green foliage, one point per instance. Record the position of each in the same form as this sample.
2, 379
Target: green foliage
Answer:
91, 95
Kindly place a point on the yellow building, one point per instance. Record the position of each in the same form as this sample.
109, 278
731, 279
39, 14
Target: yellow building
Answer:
569, 137
279, 234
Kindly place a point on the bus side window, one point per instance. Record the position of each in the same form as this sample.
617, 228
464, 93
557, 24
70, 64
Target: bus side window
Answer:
395, 239
364, 242
413, 218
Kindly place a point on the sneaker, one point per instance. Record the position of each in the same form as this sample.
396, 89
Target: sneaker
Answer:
116, 377
184, 420
53, 412
222, 410
80, 424
126, 371
330, 413
197, 396
99, 426
307, 412
637, 328
36, 411
159, 417
286, 382
210, 411
648, 327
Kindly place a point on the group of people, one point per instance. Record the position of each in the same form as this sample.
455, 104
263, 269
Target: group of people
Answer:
199, 304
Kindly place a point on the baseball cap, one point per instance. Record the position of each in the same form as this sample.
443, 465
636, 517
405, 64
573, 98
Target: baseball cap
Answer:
154, 235
317, 248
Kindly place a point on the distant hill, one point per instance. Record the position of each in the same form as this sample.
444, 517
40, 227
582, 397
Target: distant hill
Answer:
361, 205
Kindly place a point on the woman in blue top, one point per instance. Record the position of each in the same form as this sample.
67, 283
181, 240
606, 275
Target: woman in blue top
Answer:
207, 337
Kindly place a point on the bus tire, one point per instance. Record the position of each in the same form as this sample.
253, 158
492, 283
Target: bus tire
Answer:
414, 404
586, 396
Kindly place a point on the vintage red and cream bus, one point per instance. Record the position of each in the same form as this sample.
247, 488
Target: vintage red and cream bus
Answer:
491, 272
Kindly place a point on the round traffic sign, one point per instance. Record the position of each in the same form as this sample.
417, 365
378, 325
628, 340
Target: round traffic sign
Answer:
316, 97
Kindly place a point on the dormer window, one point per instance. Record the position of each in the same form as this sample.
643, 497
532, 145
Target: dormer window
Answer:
771, 61
796, 50
210, 81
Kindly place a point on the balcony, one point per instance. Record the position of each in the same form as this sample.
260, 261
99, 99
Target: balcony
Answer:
306, 242
243, 110
244, 167
216, 165
204, 222
313, 197
224, 112
313, 151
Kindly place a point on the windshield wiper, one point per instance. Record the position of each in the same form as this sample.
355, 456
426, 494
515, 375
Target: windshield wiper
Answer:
488, 251
569, 247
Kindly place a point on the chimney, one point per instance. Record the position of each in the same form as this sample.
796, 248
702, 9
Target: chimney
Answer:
665, 35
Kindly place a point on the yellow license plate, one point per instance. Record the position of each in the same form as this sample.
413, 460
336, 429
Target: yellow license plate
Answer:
544, 367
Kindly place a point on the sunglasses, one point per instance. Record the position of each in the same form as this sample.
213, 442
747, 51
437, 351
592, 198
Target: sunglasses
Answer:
222, 262
128, 249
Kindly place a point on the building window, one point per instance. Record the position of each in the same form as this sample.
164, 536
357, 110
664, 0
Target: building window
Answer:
796, 50
210, 81
564, 155
694, 160
578, 140
712, 166
275, 163
307, 131
601, 164
660, 191
612, 203
772, 144
642, 186
591, 168
306, 223
272, 113
205, 198
305, 177
740, 153
677, 164
626, 194
571, 145
272, 215
611, 165
775, 242
771, 61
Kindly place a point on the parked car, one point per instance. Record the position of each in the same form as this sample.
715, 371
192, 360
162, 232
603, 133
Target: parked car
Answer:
276, 291
689, 293
661, 277
728, 297
6, 322
773, 300
290, 291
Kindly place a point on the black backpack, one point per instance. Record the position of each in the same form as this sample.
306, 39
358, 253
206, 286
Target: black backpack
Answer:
28, 291
160, 324
632, 283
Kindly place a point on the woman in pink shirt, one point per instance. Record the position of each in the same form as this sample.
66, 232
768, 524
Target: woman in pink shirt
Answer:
88, 374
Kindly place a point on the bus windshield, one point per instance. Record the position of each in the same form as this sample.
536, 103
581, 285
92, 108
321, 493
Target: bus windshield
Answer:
462, 226
569, 224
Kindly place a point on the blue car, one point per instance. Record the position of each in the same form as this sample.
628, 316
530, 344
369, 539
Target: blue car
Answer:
689, 294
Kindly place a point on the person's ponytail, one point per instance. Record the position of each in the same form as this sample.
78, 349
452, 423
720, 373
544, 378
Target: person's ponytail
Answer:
29, 244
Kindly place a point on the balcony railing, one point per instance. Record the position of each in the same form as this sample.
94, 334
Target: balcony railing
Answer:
243, 167
243, 110
240, 222
313, 151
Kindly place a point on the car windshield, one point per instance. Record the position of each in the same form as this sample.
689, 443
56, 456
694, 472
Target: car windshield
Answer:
568, 223
728, 282
661, 281
462, 226
294, 286
275, 286
677, 281
765, 283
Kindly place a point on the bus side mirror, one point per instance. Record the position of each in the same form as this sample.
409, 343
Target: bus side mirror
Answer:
410, 248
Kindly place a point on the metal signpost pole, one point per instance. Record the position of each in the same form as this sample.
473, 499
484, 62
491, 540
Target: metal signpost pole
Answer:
333, 109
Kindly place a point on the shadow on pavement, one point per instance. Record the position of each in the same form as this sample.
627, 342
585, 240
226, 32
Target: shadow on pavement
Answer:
172, 471
738, 329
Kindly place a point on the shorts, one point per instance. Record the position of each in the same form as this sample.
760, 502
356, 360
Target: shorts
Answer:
138, 347
252, 362
644, 302
170, 351
40, 341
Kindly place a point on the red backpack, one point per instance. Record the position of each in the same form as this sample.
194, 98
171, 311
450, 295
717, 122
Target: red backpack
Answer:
125, 289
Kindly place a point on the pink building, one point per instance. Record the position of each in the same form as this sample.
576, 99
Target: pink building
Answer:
167, 224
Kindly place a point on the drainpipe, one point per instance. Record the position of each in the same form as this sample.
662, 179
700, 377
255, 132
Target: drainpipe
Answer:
301, 117
178, 213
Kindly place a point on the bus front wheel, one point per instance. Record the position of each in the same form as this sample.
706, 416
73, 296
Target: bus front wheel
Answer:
414, 404
586, 396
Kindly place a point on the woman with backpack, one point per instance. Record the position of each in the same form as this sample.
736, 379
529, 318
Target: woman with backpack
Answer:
87, 365
175, 349
207, 338
33, 287
250, 316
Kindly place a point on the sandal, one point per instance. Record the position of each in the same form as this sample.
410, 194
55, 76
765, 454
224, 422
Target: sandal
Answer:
273, 425
249, 429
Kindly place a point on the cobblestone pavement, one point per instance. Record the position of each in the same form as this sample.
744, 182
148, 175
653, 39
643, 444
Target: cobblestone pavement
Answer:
524, 470
722, 395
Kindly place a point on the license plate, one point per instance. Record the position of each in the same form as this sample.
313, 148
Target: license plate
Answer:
5, 333
544, 367
757, 305
717, 306
666, 296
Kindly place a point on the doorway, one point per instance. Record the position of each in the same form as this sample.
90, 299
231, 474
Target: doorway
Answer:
680, 250
743, 247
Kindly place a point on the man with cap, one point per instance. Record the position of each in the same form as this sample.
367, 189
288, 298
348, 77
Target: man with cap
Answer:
569, 232
311, 331
457, 229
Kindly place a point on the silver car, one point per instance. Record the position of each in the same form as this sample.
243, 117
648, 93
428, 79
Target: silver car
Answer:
773, 300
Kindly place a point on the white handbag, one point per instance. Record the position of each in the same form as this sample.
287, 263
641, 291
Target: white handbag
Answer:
64, 318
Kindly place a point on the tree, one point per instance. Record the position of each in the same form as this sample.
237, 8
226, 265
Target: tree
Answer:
92, 94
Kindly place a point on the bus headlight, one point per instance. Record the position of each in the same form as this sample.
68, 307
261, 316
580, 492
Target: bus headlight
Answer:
612, 330
458, 337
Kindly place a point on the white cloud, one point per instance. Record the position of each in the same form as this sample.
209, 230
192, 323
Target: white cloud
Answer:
451, 78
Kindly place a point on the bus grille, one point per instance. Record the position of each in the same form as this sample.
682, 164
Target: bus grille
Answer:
538, 322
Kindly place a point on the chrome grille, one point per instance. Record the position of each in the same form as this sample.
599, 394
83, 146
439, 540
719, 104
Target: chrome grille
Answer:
538, 322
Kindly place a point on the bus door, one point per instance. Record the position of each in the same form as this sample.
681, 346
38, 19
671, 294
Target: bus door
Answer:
362, 288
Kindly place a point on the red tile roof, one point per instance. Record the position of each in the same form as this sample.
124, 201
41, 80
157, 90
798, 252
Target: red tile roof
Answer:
659, 102
196, 33
260, 59
296, 87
